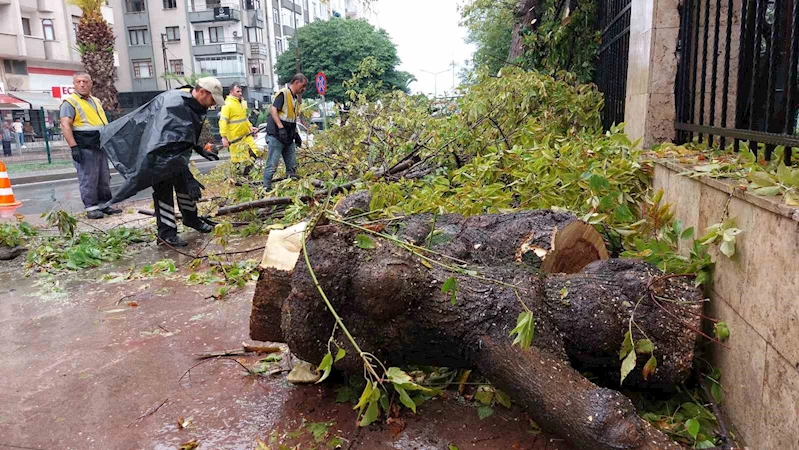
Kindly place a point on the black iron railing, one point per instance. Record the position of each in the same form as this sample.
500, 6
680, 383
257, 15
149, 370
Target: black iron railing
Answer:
757, 101
611, 67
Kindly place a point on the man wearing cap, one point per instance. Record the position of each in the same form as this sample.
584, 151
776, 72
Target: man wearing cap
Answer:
152, 146
82, 119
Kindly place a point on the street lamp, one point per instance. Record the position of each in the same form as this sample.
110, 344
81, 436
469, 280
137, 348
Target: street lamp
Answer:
435, 79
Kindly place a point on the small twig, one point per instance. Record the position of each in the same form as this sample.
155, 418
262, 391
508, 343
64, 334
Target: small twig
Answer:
150, 412
213, 359
689, 327
505, 138
19, 446
92, 226
725, 435
163, 328
474, 441
123, 298
355, 438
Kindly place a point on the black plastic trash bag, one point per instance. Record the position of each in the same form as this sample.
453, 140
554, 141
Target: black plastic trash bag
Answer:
154, 142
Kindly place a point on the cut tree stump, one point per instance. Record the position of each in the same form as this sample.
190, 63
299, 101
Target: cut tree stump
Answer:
394, 307
9, 253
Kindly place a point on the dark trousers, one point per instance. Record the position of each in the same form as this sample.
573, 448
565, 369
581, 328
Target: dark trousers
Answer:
94, 178
7, 148
165, 206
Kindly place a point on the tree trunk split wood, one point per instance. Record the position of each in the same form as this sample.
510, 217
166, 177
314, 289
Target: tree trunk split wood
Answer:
394, 307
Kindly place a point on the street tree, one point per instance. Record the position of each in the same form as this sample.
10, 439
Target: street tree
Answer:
489, 24
95, 40
338, 47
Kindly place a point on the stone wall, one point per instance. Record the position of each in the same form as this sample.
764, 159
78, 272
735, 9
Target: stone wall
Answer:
757, 294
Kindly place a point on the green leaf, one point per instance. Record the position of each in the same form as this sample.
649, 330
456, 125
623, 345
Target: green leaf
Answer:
365, 242
502, 398
598, 182
727, 248
453, 447
484, 411
325, 367
692, 426
340, 354
318, 430
345, 394
717, 392
366, 395
627, 365
484, 395
525, 328
705, 444
371, 414
644, 347
687, 234
450, 286
626, 346
768, 191
405, 398
721, 331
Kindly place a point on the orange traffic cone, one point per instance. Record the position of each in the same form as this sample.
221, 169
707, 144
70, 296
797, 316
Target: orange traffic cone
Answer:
8, 204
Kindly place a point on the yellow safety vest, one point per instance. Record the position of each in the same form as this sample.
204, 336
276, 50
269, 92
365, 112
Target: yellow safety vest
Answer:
291, 109
89, 114
233, 121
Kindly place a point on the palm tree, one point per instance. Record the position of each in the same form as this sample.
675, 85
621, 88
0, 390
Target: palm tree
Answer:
96, 48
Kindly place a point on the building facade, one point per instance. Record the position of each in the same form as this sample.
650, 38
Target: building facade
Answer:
38, 53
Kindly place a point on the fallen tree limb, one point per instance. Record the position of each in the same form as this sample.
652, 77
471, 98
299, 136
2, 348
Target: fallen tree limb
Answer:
393, 305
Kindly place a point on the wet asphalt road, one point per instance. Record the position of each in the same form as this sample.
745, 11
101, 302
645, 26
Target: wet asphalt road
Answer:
41, 197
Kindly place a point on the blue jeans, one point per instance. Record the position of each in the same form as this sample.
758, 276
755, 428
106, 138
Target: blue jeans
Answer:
21, 139
279, 150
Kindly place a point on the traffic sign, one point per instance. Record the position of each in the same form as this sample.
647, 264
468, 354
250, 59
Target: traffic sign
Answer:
321, 83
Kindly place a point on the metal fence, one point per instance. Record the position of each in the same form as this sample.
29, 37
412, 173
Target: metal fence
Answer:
737, 75
611, 68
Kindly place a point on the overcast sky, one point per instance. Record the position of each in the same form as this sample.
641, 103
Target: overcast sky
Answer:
428, 37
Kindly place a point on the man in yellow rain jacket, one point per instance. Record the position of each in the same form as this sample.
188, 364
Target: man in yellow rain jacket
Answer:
236, 129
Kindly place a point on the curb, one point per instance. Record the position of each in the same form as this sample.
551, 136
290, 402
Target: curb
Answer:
60, 175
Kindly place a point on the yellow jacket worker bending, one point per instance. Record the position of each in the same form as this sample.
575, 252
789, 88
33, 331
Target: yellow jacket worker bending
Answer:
233, 125
82, 119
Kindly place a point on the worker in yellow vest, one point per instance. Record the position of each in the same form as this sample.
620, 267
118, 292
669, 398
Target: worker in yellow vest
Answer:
237, 131
281, 129
82, 119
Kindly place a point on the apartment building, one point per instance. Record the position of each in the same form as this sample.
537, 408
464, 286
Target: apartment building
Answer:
235, 40
37, 54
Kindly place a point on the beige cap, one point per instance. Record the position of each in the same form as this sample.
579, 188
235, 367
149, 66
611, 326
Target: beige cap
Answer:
214, 86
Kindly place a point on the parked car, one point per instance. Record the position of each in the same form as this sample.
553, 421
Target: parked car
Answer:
307, 138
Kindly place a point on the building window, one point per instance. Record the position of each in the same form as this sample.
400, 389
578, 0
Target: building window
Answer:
231, 66
198, 37
252, 4
49, 31
257, 68
15, 66
142, 68
138, 36
255, 34
135, 6
75, 22
176, 66
173, 33
276, 15
26, 27
279, 46
216, 34
288, 17
170, 4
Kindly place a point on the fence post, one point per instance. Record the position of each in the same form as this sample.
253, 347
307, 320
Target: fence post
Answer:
46, 137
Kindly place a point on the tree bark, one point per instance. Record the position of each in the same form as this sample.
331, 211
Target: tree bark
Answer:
394, 307
525, 16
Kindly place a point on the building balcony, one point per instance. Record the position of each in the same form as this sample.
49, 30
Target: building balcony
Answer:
56, 51
261, 81
28, 5
229, 78
34, 47
205, 48
288, 31
254, 18
9, 44
47, 5
257, 50
214, 12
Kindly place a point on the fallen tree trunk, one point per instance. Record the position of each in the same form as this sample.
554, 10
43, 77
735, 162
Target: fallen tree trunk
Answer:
394, 307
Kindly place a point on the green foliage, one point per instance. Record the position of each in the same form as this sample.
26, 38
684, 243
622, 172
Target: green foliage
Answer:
450, 287
524, 330
721, 331
559, 40
83, 250
62, 220
685, 416
13, 235
338, 47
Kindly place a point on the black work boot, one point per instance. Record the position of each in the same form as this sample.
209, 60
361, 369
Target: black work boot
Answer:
200, 226
94, 214
172, 241
110, 211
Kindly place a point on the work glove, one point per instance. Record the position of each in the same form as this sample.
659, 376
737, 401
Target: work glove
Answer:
283, 136
77, 156
193, 187
297, 140
210, 156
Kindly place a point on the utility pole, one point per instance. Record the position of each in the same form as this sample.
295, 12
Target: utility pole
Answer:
435, 80
166, 66
453, 75
296, 40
